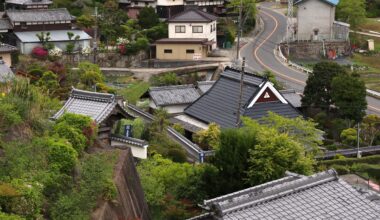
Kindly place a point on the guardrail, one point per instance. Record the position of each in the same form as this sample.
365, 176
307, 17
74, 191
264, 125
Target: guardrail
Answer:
290, 63
350, 152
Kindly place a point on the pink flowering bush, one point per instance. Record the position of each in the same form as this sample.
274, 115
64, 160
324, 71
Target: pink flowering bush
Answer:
40, 52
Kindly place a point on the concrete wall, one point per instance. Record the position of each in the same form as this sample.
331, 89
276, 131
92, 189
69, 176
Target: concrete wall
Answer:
315, 14
207, 33
314, 50
138, 152
179, 51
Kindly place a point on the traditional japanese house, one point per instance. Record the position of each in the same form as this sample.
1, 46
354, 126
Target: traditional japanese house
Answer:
105, 109
27, 4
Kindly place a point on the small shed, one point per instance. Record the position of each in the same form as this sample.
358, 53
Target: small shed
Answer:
105, 109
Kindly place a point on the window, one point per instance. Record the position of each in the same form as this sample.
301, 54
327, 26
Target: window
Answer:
180, 29
168, 51
189, 51
197, 29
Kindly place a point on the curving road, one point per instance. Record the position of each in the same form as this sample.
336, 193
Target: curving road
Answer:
260, 56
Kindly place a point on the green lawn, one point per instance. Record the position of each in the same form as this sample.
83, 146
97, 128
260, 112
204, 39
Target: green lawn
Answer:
128, 87
371, 24
371, 76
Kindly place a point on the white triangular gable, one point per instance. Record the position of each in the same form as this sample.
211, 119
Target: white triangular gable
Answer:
263, 87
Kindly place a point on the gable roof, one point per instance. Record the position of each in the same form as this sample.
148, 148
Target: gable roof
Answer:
330, 2
6, 73
219, 103
57, 14
173, 95
7, 48
29, 2
98, 106
320, 196
192, 15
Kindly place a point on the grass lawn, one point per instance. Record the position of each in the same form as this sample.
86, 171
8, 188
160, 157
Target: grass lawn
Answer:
371, 24
128, 87
371, 76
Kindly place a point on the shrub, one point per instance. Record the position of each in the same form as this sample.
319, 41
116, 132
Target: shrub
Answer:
165, 79
179, 128
40, 52
349, 136
62, 155
73, 135
177, 155
341, 169
350, 161
142, 43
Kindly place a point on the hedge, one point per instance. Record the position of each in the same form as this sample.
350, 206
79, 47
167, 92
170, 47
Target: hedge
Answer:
350, 161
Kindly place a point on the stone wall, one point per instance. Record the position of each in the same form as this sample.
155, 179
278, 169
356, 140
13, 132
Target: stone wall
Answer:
315, 50
130, 203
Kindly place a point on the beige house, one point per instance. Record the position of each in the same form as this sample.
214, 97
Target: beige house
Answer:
6, 51
192, 35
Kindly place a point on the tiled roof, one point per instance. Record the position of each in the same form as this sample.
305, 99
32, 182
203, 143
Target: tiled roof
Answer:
57, 14
331, 2
219, 103
320, 196
7, 48
204, 86
260, 110
5, 24
129, 140
55, 35
193, 15
173, 95
29, 2
293, 97
98, 106
6, 73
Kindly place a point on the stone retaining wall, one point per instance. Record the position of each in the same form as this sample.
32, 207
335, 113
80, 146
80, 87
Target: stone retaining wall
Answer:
315, 50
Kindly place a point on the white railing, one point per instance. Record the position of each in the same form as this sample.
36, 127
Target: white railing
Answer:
290, 63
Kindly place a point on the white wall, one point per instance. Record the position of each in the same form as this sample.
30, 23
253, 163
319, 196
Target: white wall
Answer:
26, 48
211, 36
172, 109
142, 4
169, 2
138, 152
314, 14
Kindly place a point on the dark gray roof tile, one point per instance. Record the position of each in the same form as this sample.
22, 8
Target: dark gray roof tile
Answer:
193, 15
173, 95
57, 14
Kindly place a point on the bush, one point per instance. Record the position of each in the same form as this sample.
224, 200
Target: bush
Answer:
72, 134
177, 155
342, 170
350, 161
40, 52
165, 79
62, 155
179, 128
349, 137
142, 43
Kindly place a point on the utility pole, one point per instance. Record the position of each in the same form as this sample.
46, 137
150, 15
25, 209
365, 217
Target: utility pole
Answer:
289, 24
239, 31
95, 43
358, 142
241, 93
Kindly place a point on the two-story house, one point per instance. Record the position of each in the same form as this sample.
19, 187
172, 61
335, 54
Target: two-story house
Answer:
27, 24
192, 35
316, 21
27, 4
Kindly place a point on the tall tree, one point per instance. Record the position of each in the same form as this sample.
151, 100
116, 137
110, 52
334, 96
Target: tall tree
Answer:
371, 128
317, 92
351, 11
248, 12
148, 18
349, 95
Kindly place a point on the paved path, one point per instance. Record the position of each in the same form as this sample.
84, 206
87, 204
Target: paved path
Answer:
260, 55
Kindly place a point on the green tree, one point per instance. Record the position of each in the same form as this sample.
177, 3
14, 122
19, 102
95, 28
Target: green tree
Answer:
272, 78
147, 18
274, 154
208, 138
349, 96
48, 82
86, 21
165, 79
160, 122
318, 91
303, 131
90, 74
349, 137
62, 155
352, 12
371, 128
248, 12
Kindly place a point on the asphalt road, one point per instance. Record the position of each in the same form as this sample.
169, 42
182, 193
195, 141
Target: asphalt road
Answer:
260, 56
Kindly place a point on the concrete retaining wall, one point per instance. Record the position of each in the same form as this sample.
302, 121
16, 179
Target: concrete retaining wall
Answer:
315, 50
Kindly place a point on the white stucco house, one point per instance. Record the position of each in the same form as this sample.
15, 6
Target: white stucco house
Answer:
192, 36
316, 21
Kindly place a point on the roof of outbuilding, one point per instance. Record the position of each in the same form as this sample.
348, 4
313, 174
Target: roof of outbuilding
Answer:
320, 196
219, 103
29, 2
173, 95
56, 14
98, 106
55, 35
7, 48
192, 15
292, 96
128, 140
6, 73
330, 2
204, 86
